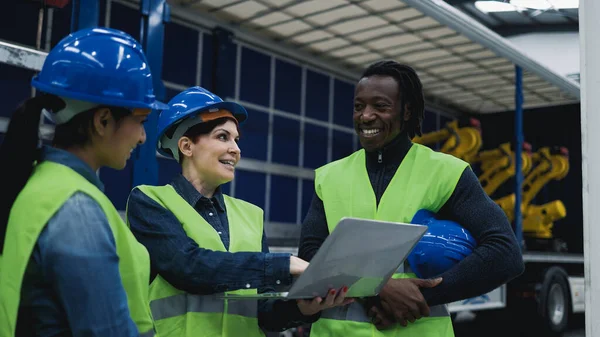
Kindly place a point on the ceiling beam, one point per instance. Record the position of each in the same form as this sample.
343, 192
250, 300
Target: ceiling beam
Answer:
462, 23
458, 2
511, 30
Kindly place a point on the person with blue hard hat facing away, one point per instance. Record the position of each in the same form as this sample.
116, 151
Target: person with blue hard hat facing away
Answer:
70, 266
203, 242
391, 179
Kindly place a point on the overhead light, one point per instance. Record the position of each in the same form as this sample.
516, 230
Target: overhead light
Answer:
531, 4
565, 4
494, 6
519, 5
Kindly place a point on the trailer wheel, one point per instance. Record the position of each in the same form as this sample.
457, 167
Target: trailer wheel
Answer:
553, 301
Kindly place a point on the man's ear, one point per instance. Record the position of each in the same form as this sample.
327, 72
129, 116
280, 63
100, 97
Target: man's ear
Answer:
185, 146
102, 117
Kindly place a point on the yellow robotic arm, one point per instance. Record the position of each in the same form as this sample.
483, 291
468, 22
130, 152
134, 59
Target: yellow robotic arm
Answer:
549, 164
498, 165
538, 220
462, 138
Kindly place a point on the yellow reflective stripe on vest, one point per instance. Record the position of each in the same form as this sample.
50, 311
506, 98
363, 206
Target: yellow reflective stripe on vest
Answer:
357, 313
183, 303
242, 308
178, 314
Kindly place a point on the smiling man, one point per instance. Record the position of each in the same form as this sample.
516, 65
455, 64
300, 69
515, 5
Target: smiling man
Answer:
391, 178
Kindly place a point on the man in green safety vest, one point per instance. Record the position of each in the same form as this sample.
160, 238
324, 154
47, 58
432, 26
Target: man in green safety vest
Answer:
391, 179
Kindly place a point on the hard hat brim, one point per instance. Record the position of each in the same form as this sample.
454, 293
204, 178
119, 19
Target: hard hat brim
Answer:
157, 105
238, 111
112, 101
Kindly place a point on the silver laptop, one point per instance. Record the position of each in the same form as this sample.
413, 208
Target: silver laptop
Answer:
361, 254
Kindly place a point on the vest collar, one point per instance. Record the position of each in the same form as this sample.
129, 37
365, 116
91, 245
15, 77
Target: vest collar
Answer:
392, 153
67, 158
190, 194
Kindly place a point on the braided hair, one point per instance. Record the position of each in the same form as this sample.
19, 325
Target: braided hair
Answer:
410, 91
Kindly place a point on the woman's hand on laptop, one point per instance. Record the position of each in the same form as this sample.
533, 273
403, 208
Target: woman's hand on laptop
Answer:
297, 265
334, 298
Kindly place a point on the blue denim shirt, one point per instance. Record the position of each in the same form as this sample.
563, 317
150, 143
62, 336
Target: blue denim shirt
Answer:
72, 285
188, 267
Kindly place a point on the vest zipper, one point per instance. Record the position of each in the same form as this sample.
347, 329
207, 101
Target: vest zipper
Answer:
379, 178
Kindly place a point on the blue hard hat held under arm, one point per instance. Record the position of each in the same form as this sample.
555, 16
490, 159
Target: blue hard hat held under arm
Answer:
444, 245
99, 65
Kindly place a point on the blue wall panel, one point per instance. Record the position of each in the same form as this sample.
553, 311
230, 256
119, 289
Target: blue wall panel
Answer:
61, 21
250, 186
117, 184
255, 77
284, 199
253, 140
288, 87
224, 66
167, 170
286, 137
308, 191
444, 120
317, 96
126, 19
226, 188
342, 145
315, 146
19, 22
429, 122
343, 103
206, 76
180, 54
170, 93
15, 88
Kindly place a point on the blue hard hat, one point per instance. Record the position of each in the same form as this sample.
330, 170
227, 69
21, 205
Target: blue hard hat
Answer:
444, 244
99, 65
186, 110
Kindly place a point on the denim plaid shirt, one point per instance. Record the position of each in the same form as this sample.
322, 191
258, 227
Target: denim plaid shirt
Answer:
72, 285
188, 267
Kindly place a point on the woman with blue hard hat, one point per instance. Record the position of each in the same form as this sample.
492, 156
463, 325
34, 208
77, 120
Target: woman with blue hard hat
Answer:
203, 242
70, 266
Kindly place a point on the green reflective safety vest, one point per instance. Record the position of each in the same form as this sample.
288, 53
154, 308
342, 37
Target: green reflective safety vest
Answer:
424, 180
49, 187
180, 314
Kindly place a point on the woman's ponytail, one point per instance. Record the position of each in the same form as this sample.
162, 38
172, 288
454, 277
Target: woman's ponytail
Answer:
19, 151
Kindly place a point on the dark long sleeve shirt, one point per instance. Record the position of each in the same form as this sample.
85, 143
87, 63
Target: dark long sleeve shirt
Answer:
497, 258
188, 267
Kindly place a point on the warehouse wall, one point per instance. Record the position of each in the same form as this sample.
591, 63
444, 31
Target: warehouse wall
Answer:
299, 116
